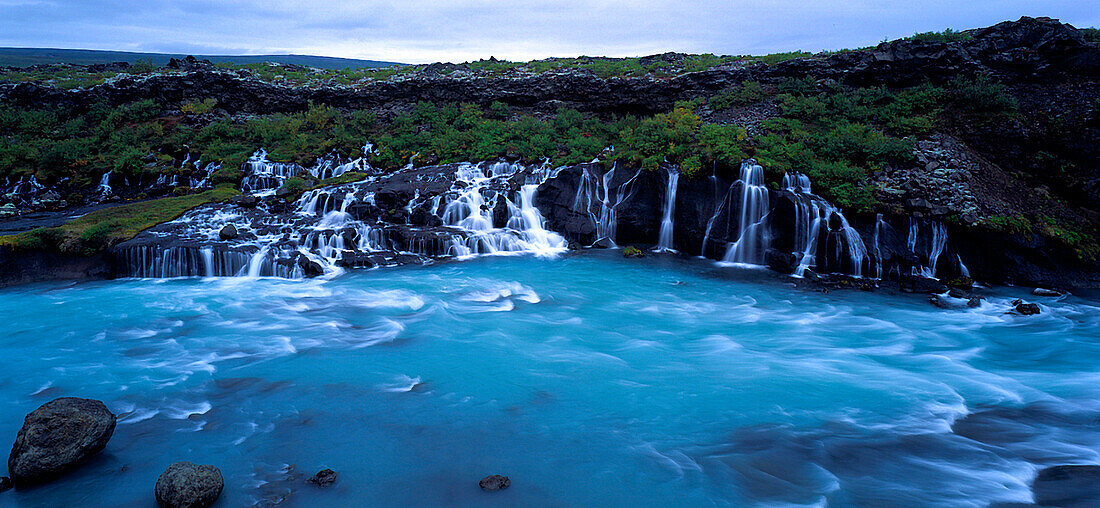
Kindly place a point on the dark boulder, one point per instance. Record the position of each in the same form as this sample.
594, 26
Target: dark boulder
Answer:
956, 293
323, 478
245, 200
58, 436
1068, 486
5, 483
228, 232
1046, 292
186, 485
495, 482
782, 262
500, 213
974, 302
1027, 309
918, 284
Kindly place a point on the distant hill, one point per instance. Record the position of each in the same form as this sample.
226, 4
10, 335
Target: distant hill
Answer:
24, 57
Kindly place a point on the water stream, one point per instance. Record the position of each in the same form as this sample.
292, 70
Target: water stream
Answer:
591, 380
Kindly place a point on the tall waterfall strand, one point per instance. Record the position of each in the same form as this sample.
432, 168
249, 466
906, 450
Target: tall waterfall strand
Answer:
752, 240
595, 199
664, 239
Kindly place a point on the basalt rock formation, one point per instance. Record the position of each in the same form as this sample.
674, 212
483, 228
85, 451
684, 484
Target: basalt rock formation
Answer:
964, 173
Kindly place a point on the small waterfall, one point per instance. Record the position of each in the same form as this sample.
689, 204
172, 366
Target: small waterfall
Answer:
880, 224
664, 241
815, 220
596, 199
264, 176
937, 242
797, 182
104, 188
752, 240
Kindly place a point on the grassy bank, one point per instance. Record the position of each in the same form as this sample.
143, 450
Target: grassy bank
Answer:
102, 228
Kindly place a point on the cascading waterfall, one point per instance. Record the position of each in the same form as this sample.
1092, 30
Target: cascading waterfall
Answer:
104, 188
594, 198
321, 232
664, 240
752, 238
812, 226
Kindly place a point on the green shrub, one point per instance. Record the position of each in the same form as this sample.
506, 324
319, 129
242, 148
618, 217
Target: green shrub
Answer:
293, 185
227, 175
750, 92
199, 108
982, 97
947, 35
1090, 34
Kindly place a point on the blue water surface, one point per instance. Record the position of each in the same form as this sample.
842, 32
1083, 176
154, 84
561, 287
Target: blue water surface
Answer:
590, 380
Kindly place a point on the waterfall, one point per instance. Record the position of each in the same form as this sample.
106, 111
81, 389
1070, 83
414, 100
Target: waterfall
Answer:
936, 245
664, 241
879, 223
596, 199
104, 188
341, 225
752, 239
815, 219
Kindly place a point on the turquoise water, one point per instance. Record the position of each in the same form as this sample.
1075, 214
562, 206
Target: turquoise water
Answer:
590, 380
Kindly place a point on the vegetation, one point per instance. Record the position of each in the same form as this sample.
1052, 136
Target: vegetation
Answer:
94, 231
947, 35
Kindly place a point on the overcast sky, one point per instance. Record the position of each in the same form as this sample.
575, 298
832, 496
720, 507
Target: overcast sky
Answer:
414, 31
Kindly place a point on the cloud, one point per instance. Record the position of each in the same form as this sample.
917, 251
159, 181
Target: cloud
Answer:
458, 30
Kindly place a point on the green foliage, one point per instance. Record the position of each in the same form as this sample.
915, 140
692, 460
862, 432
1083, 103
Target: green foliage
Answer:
293, 185
947, 35
775, 58
1090, 34
983, 98
142, 66
199, 108
1008, 224
749, 92
632, 252
227, 175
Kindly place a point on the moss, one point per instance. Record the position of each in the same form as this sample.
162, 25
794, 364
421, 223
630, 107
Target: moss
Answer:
632, 252
100, 229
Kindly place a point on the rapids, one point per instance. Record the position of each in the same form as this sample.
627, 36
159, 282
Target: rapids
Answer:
589, 379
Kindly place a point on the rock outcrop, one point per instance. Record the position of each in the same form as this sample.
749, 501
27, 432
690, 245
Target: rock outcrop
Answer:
57, 437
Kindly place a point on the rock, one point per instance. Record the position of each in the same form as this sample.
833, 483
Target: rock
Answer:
245, 200
58, 436
974, 302
632, 252
1046, 292
603, 243
1068, 486
938, 301
323, 478
956, 293
228, 232
5, 483
782, 262
918, 284
186, 485
495, 482
1027, 309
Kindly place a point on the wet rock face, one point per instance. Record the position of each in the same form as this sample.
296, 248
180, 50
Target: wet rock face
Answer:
57, 437
1068, 486
186, 485
1027, 309
495, 482
228, 232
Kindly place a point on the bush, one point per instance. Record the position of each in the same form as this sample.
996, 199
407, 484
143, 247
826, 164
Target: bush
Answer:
750, 92
293, 185
982, 97
199, 108
947, 35
227, 175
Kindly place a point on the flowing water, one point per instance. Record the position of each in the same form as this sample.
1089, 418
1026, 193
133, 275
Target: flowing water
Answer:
589, 379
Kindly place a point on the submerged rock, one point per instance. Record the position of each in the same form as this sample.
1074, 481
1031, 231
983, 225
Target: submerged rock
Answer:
1046, 292
974, 302
323, 478
58, 436
495, 482
1068, 486
186, 485
632, 252
1027, 309
5, 483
